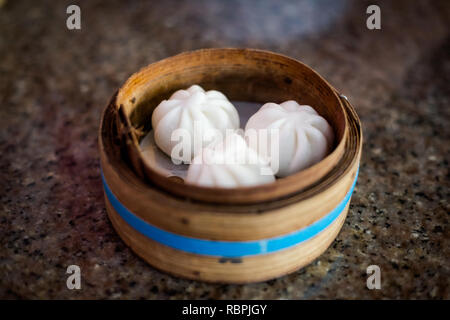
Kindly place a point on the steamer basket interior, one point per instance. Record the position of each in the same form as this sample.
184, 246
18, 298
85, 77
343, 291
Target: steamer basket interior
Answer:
243, 75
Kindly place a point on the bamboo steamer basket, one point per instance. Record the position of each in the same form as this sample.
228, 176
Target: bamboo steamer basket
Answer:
235, 235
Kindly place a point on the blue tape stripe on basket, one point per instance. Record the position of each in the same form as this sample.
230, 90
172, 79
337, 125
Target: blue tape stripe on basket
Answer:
229, 249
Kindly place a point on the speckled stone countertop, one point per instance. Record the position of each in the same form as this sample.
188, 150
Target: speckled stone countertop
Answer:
55, 82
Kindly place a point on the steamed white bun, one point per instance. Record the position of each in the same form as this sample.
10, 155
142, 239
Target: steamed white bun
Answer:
305, 137
228, 164
210, 113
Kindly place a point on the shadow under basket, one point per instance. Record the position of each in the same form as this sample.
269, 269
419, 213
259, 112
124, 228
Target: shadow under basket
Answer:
236, 235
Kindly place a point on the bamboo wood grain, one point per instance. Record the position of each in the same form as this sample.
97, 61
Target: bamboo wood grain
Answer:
213, 223
214, 269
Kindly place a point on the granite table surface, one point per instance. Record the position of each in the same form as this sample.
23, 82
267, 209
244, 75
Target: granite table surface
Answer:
54, 83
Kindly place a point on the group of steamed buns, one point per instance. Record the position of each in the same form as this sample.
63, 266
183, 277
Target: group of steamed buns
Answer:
220, 159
